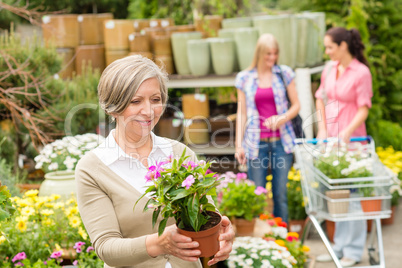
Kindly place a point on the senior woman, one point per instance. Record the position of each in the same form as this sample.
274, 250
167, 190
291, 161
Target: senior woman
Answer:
110, 178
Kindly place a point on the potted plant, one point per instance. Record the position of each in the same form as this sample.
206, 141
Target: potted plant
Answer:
59, 158
180, 190
241, 200
296, 207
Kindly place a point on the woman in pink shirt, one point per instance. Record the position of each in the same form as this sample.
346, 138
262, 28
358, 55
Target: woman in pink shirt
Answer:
343, 102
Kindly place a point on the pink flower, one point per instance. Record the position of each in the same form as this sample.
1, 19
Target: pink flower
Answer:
78, 246
56, 254
291, 238
75, 263
208, 171
271, 222
188, 182
260, 190
191, 164
18, 264
241, 176
19, 257
89, 249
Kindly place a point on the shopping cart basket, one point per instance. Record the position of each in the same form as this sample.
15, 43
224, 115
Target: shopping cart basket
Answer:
344, 199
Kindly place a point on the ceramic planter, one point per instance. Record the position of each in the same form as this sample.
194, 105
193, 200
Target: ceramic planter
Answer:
246, 40
179, 48
237, 23
199, 57
283, 27
244, 227
230, 33
222, 51
58, 182
207, 239
337, 207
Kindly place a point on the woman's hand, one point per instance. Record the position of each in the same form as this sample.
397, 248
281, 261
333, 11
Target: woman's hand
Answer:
226, 241
321, 134
240, 155
275, 122
345, 135
173, 243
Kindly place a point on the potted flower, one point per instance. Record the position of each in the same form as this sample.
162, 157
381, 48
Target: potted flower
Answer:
241, 200
180, 190
59, 158
296, 207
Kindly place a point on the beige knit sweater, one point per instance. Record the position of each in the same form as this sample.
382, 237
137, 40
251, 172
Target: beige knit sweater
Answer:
118, 233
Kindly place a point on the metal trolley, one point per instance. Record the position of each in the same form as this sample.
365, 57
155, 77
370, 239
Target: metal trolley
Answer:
342, 199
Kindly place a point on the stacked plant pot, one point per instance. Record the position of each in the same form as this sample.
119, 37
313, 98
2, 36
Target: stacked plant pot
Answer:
116, 34
78, 39
62, 31
196, 114
91, 51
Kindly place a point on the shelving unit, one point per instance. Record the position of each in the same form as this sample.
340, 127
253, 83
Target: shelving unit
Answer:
303, 85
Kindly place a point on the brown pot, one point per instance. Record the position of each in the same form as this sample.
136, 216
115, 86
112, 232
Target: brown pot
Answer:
165, 62
390, 220
91, 55
28, 186
330, 230
371, 205
296, 226
89, 29
61, 30
195, 105
68, 65
244, 227
208, 240
139, 43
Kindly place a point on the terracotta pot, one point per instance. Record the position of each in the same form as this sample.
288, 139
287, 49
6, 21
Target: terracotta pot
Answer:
296, 226
161, 45
28, 186
58, 182
330, 230
61, 30
102, 17
92, 55
207, 239
390, 220
371, 205
112, 55
244, 227
89, 29
335, 206
68, 65
139, 43
195, 105
116, 34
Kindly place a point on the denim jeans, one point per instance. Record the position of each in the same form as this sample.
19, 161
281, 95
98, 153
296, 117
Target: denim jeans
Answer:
272, 155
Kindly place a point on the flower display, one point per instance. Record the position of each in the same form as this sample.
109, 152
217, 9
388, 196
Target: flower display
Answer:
180, 190
393, 161
296, 205
239, 197
64, 154
40, 228
257, 252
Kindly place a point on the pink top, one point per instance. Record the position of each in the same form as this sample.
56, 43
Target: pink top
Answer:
352, 90
265, 104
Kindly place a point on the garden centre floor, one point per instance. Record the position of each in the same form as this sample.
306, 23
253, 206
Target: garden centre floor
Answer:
392, 240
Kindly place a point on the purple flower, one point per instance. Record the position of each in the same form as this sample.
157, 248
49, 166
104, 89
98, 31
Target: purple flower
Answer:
188, 182
75, 262
89, 249
260, 190
191, 164
240, 177
18, 264
56, 254
208, 171
19, 257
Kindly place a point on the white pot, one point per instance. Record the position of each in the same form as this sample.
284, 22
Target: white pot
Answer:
58, 182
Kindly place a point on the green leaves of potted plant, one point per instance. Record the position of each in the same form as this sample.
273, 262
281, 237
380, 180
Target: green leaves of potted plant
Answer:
179, 190
241, 200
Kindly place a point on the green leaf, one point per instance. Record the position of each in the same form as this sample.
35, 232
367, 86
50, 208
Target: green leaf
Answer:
155, 216
179, 193
193, 211
162, 226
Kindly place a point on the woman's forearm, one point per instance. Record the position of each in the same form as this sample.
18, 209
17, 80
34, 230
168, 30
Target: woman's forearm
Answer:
360, 118
320, 115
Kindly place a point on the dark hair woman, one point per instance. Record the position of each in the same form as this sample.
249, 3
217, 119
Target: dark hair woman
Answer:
343, 102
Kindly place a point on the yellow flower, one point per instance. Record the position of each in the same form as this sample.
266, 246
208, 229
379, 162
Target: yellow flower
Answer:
23, 202
48, 222
298, 189
31, 193
269, 177
74, 221
58, 248
2, 239
58, 205
305, 248
21, 225
71, 201
294, 234
28, 211
82, 233
71, 211
47, 212
280, 242
21, 218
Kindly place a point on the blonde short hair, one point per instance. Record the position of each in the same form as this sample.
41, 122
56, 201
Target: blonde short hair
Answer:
266, 41
120, 81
